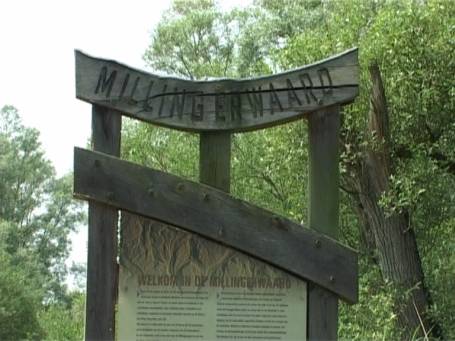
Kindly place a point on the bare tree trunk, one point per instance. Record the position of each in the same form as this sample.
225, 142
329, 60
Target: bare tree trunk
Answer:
398, 258
392, 235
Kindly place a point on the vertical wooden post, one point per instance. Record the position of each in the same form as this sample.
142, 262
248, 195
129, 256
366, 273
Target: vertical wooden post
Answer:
324, 130
102, 269
215, 160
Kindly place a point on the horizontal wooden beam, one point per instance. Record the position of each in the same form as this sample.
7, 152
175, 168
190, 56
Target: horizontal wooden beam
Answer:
218, 216
222, 104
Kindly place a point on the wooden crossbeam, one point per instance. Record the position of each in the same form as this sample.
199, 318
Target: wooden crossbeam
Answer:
218, 216
220, 104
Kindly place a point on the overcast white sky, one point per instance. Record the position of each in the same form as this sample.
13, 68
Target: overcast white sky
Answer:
37, 42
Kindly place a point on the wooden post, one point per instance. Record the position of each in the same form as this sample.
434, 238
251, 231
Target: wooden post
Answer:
215, 160
102, 268
324, 127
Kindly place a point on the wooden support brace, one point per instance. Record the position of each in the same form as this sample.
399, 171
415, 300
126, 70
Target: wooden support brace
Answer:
324, 127
102, 268
218, 216
215, 160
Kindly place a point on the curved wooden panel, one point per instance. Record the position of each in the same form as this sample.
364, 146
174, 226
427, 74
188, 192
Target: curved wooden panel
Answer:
216, 215
221, 104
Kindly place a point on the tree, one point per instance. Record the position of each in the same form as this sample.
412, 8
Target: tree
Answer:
37, 213
207, 42
64, 322
397, 138
393, 151
20, 294
194, 39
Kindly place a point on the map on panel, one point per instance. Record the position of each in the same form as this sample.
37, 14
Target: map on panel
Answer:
175, 285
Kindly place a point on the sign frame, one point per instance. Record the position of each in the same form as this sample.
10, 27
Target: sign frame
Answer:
96, 81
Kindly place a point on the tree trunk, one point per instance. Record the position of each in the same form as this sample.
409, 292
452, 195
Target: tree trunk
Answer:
393, 236
398, 258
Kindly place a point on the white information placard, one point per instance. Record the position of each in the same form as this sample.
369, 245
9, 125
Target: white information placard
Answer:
177, 286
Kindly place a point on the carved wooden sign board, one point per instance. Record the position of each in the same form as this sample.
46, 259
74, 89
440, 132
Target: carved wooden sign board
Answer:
195, 262
224, 104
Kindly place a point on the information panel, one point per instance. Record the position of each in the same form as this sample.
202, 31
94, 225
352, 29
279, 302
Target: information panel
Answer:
178, 286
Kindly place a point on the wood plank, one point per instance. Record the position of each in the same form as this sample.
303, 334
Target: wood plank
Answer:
322, 314
102, 238
215, 160
218, 216
324, 127
222, 104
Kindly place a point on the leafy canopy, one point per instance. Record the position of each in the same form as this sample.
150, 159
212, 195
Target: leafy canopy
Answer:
37, 213
412, 41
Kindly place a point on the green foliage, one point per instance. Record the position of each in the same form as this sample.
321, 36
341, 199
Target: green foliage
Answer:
20, 293
161, 148
272, 174
439, 265
37, 213
64, 322
193, 39
413, 44
24, 171
372, 318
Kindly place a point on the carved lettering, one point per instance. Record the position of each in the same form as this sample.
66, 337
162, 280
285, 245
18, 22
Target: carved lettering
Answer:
307, 85
160, 111
220, 107
255, 101
274, 99
124, 85
147, 106
292, 95
197, 112
233, 105
326, 89
236, 107
105, 84
178, 103
133, 90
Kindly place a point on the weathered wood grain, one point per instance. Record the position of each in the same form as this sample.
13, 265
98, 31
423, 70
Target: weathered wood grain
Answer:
218, 216
324, 129
215, 160
223, 104
102, 270
322, 314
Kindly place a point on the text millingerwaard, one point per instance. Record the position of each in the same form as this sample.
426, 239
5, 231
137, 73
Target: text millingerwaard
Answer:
216, 281
223, 104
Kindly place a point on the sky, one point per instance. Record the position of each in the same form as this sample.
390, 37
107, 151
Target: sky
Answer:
37, 42
38, 39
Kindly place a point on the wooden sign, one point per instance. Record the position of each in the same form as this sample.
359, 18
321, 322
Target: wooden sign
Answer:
196, 263
216, 215
176, 285
222, 104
